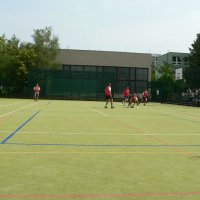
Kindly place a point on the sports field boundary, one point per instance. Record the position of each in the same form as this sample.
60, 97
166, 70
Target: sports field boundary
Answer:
84, 196
99, 152
13, 133
117, 134
11, 104
17, 110
104, 145
97, 111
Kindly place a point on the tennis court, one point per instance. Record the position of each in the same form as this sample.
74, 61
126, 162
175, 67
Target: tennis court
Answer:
54, 149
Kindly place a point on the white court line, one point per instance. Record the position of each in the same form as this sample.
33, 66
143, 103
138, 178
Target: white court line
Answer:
174, 114
17, 110
10, 104
101, 113
99, 152
123, 134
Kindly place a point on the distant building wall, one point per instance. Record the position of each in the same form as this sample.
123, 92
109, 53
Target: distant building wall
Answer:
176, 59
82, 70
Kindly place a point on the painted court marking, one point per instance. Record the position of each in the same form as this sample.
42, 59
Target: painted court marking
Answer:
12, 134
17, 110
10, 104
93, 133
174, 115
84, 196
95, 152
104, 145
97, 111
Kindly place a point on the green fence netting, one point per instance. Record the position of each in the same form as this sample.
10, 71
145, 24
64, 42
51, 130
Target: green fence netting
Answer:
61, 84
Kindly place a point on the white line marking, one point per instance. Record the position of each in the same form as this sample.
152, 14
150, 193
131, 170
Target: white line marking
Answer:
17, 110
9, 104
122, 134
101, 113
99, 152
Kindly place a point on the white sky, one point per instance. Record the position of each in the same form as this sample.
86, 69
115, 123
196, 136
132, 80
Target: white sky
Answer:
143, 26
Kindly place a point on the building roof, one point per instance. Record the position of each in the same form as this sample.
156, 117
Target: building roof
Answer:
104, 58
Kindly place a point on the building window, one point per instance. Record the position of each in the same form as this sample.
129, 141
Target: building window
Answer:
109, 69
176, 60
132, 74
66, 67
89, 72
186, 60
141, 86
120, 85
122, 73
142, 74
99, 69
90, 69
77, 72
76, 68
155, 61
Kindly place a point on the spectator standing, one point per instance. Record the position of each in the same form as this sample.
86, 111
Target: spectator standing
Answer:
36, 90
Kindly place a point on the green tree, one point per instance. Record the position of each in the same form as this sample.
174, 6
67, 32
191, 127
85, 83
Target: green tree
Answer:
46, 47
192, 73
7, 55
165, 83
18, 58
166, 72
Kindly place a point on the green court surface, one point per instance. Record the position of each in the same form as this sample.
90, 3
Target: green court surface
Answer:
54, 149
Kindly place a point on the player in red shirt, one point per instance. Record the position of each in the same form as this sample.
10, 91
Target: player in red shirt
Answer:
36, 90
145, 96
108, 95
133, 100
126, 95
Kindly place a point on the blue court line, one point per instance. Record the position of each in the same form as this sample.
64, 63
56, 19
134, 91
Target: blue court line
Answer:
12, 134
109, 145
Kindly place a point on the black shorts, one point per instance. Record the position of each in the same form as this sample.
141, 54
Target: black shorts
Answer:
128, 98
108, 97
144, 98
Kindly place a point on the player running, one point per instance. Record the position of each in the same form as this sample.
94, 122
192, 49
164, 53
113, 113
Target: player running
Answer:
108, 95
133, 100
145, 96
126, 95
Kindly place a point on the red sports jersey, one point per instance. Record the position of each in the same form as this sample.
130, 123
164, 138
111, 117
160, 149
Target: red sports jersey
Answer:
36, 89
108, 91
145, 94
126, 92
134, 98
